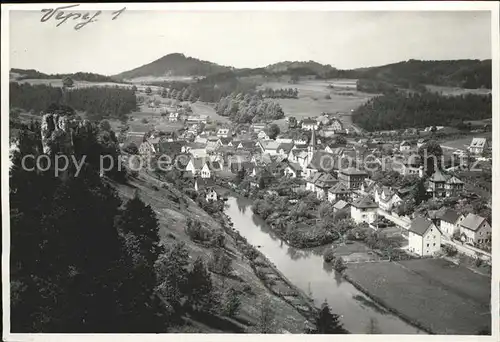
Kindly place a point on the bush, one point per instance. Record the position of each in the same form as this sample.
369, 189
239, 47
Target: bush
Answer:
450, 250
339, 265
329, 255
196, 231
328, 97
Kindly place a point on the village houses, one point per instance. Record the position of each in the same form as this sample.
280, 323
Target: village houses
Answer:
477, 146
364, 210
424, 238
450, 222
475, 229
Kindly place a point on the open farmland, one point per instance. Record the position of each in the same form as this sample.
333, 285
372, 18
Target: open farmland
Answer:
201, 108
435, 294
312, 102
57, 82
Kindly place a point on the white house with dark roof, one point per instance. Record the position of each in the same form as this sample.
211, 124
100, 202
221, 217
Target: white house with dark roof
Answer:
364, 210
450, 222
478, 145
424, 238
387, 198
475, 229
323, 183
224, 133
293, 170
338, 192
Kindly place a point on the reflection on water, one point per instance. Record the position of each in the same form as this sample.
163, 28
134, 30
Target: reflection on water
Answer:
308, 271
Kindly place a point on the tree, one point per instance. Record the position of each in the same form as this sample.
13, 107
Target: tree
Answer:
105, 126
339, 265
230, 303
220, 262
430, 154
163, 93
327, 323
134, 88
172, 272
148, 91
292, 122
139, 224
67, 82
199, 285
266, 317
273, 131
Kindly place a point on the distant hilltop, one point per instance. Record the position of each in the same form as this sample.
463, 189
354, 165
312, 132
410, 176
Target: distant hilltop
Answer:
465, 73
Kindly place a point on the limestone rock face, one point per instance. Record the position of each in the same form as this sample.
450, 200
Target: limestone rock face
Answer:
57, 134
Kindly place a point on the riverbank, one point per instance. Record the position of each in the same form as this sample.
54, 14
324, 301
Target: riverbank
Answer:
299, 231
306, 270
269, 274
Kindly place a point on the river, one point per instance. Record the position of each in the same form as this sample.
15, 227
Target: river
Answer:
305, 268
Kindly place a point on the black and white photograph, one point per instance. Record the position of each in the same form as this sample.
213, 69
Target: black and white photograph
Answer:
250, 168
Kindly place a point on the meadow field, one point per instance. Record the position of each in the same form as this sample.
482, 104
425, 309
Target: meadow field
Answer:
57, 82
462, 142
433, 293
315, 97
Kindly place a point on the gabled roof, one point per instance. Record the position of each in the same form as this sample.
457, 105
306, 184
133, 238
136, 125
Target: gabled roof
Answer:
314, 177
339, 188
454, 180
246, 144
308, 122
325, 181
341, 204
472, 222
365, 202
225, 140
420, 225
285, 146
438, 176
450, 216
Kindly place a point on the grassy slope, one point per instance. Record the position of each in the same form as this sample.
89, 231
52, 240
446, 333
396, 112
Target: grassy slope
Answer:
172, 218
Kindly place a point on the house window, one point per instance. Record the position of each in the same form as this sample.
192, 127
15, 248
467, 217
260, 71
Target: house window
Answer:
427, 245
434, 244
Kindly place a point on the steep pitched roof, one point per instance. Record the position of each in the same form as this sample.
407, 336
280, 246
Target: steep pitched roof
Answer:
339, 188
454, 180
341, 204
314, 177
325, 181
285, 146
420, 225
472, 222
365, 203
438, 176
450, 216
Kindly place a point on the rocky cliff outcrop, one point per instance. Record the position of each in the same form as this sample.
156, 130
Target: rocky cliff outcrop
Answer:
58, 131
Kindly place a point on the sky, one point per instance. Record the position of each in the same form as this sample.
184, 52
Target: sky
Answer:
345, 40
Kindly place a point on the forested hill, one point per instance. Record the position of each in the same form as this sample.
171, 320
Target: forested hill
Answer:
403, 110
22, 74
466, 73
175, 64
